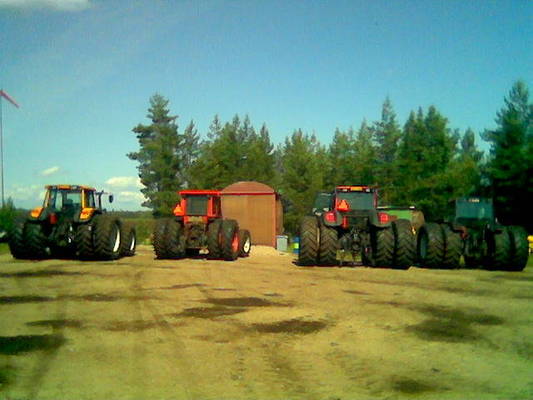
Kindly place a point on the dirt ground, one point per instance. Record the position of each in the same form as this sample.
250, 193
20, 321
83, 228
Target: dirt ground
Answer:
261, 328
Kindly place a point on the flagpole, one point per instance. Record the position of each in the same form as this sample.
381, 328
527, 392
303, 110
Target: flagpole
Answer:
2, 151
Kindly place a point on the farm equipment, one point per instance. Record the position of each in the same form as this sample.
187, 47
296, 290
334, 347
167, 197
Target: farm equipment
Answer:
198, 225
475, 234
71, 223
347, 220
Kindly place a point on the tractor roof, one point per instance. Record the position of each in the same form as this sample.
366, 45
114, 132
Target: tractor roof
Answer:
199, 192
355, 188
70, 187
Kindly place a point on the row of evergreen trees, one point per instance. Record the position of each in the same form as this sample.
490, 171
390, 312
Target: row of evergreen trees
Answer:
422, 163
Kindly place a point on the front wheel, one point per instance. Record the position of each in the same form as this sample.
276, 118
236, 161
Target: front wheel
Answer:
245, 243
16, 240
382, 245
329, 243
230, 239
174, 240
519, 248
430, 245
499, 250
106, 237
129, 240
35, 241
309, 241
404, 244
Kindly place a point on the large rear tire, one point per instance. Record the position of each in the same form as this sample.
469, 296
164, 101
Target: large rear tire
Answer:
158, 240
245, 242
214, 239
519, 248
174, 239
404, 244
382, 240
328, 246
230, 239
430, 245
106, 237
453, 248
129, 240
16, 240
83, 239
309, 241
35, 241
499, 250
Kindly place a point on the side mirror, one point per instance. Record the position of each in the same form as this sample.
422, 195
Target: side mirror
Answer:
111, 198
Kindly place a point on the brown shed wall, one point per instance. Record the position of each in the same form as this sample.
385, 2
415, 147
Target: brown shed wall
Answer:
258, 213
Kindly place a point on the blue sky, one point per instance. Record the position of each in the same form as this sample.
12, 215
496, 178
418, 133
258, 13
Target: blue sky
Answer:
83, 71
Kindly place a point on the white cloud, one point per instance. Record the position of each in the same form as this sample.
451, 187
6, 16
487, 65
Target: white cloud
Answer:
62, 5
131, 197
49, 171
124, 182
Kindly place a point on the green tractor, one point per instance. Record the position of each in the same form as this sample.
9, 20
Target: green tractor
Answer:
475, 234
71, 223
347, 222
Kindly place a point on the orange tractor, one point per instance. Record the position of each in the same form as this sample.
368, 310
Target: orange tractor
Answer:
197, 226
72, 223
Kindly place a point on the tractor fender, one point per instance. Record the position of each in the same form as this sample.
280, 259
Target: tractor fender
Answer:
374, 221
331, 219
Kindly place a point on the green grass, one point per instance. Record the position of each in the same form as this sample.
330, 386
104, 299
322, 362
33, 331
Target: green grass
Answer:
4, 248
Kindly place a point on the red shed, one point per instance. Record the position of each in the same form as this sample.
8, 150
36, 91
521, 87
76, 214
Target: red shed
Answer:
257, 207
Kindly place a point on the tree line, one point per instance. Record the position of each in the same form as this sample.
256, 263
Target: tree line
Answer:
423, 162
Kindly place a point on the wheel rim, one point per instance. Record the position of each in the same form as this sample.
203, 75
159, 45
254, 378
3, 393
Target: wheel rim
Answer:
132, 244
246, 246
116, 244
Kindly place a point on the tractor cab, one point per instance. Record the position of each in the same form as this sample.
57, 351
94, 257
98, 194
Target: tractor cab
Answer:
69, 202
198, 206
354, 205
473, 212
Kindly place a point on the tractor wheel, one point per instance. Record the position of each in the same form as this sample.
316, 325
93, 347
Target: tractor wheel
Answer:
404, 244
519, 248
245, 242
16, 240
106, 237
35, 241
499, 248
158, 242
309, 241
83, 240
328, 245
382, 247
453, 246
430, 245
128, 236
230, 239
214, 239
174, 239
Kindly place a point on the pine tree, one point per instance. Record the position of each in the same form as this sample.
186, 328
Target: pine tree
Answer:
365, 156
259, 163
341, 159
510, 167
158, 157
387, 135
302, 176
425, 152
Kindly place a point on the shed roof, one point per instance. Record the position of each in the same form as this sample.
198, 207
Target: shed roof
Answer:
248, 187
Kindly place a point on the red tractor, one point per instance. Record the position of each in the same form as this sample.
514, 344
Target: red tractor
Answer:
347, 220
198, 225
